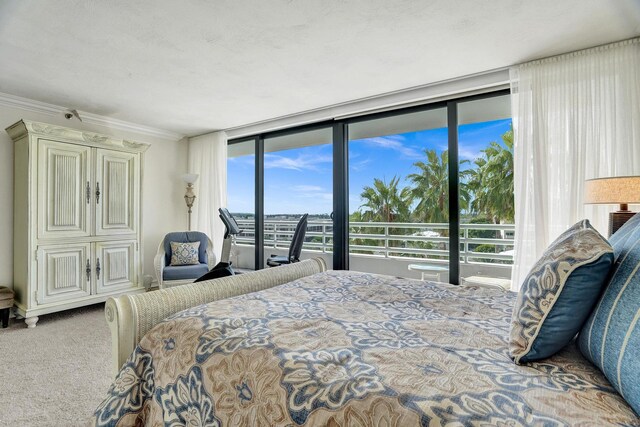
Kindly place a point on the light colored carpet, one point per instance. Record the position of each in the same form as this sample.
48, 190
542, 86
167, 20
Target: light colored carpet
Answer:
57, 373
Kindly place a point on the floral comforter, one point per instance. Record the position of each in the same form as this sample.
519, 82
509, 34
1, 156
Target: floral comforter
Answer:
353, 349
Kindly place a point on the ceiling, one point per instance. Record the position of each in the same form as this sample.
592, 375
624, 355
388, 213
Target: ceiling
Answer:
195, 66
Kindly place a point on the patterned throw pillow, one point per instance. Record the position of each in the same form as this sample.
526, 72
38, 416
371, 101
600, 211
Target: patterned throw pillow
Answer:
611, 336
559, 293
184, 253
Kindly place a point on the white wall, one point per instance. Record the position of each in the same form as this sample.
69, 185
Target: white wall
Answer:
163, 190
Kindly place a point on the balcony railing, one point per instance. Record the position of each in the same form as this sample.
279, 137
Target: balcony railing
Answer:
394, 240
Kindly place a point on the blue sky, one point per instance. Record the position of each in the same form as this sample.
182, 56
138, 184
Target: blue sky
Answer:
300, 180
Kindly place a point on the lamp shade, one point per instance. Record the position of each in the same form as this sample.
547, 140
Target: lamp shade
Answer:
614, 190
190, 178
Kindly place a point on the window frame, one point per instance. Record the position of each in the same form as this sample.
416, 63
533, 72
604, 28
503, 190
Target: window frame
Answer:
340, 129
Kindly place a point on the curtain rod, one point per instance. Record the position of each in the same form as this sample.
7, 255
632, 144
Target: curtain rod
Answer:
589, 50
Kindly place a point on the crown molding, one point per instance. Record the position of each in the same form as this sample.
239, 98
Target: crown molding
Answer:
13, 101
128, 126
39, 107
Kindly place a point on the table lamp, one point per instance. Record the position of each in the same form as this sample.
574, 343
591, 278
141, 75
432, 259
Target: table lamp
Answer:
620, 190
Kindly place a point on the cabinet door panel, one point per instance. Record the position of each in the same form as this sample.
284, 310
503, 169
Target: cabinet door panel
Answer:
62, 272
64, 177
117, 261
117, 192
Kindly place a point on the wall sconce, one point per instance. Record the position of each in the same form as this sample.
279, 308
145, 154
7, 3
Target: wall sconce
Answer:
189, 195
620, 190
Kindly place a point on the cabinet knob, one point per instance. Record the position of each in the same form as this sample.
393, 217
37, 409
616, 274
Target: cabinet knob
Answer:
88, 270
98, 269
97, 192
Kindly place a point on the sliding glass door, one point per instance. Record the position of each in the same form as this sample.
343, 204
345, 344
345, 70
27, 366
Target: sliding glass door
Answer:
241, 163
485, 141
399, 195
411, 192
298, 179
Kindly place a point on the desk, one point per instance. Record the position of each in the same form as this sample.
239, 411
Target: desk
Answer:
430, 270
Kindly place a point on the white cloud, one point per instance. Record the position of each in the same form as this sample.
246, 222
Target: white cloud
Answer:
299, 163
393, 142
359, 165
307, 188
312, 192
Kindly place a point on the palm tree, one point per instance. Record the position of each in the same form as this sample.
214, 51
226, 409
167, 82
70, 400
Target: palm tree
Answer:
473, 183
385, 202
492, 181
431, 188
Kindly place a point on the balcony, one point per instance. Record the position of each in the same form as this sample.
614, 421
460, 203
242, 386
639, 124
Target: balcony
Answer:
389, 247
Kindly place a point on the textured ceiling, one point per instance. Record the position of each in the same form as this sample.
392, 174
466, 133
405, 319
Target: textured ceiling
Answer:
195, 66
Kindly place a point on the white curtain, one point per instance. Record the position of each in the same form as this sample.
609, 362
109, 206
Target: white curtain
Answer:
208, 158
575, 117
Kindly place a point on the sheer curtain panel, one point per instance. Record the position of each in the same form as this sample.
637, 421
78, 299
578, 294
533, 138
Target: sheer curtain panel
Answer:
208, 158
575, 117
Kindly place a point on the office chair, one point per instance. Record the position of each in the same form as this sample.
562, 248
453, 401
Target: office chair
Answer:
296, 245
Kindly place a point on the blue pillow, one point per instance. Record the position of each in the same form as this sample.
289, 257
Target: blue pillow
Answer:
611, 336
559, 293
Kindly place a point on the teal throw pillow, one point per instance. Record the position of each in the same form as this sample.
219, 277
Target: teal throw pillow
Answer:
559, 293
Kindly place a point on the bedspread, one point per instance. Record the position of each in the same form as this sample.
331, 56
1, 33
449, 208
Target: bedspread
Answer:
353, 349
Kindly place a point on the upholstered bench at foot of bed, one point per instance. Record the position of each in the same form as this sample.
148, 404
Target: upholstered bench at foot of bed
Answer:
131, 316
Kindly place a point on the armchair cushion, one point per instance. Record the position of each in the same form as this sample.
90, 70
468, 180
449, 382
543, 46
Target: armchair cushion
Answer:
186, 236
184, 253
181, 272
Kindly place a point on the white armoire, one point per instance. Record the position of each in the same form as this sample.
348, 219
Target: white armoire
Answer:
77, 218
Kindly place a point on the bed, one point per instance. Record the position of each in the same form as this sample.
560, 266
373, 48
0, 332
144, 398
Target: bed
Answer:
343, 348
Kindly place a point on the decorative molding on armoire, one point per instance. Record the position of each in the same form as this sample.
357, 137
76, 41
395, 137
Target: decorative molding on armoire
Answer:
27, 104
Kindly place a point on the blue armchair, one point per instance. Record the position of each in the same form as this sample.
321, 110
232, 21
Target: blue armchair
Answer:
174, 275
